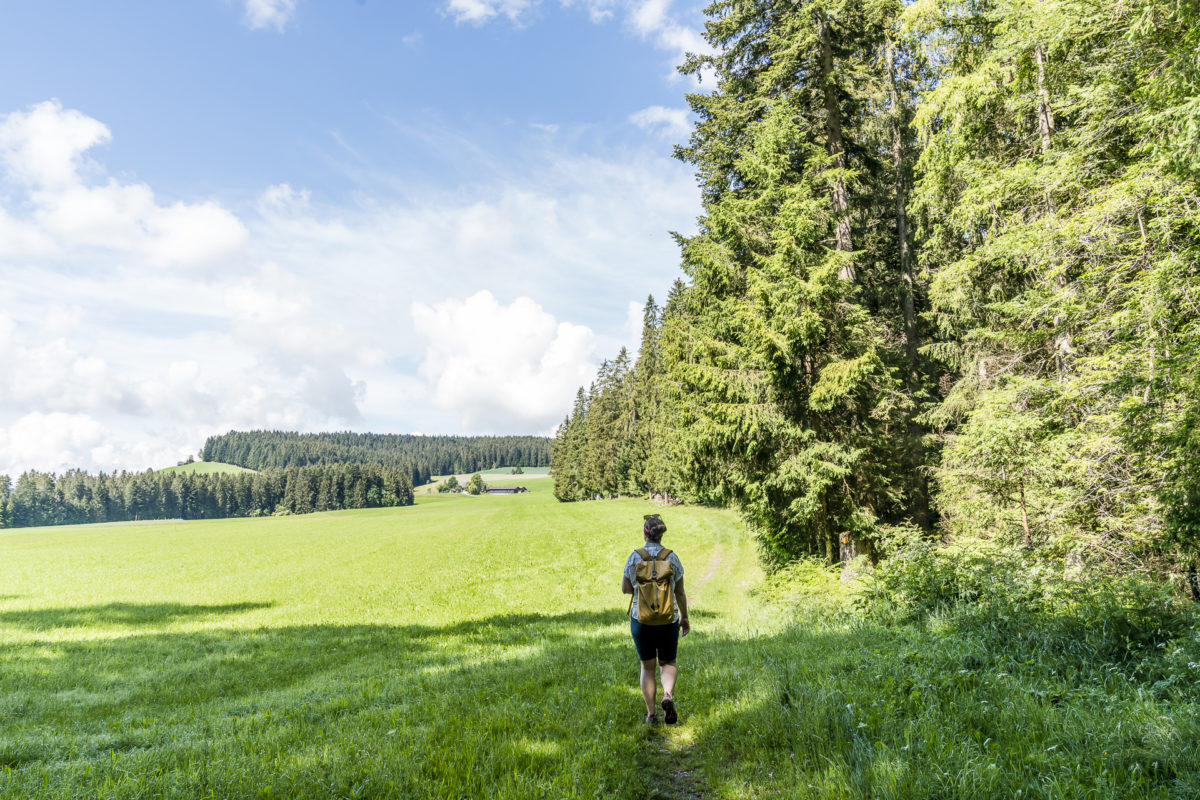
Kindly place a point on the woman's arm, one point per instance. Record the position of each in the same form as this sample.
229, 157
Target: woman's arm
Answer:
681, 599
626, 586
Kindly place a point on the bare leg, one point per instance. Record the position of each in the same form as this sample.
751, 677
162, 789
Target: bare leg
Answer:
649, 688
669, 673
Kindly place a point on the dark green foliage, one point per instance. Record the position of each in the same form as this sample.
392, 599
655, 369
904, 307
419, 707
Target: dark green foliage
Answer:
1017, 692
422, 456
76, 497
946, 275
1061, 227
1002, 595
619, 438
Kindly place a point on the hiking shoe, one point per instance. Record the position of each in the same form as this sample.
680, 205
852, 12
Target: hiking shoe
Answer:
669, 711
652, 719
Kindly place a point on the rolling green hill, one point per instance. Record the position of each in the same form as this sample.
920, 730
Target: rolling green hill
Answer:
402, 652
478, 647
529, 472
205, 468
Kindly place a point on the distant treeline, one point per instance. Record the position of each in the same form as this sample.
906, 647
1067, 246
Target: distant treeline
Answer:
420, 456
40, 498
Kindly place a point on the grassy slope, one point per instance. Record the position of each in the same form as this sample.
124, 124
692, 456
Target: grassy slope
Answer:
429, 652
205, 468
463, 647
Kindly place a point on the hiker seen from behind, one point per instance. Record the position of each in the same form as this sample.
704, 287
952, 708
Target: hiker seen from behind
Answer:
658, 615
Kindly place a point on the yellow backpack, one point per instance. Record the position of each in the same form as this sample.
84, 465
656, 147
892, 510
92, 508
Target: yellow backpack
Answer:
654, 588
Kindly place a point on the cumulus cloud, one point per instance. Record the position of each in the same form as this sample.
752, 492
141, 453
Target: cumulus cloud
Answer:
672, 122
273, 315
503, 368
69, 204
57, 441
268, 13
324, 317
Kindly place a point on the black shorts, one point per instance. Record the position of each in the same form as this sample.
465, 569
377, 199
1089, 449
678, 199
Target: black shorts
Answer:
655, 641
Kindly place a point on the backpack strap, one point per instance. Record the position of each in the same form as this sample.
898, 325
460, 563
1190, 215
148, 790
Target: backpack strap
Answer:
641, 551
664, 554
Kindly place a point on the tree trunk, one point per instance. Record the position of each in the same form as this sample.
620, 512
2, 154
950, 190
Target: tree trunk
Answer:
850, 547
1025, 518
1044, 113
1193, 582
901, 189
1063, 344
921, 510
835, 147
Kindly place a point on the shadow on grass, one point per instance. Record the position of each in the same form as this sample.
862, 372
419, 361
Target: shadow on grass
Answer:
517, 705
530, 706
131, 614
861, 710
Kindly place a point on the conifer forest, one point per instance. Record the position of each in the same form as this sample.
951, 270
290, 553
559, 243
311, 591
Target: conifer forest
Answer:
946, 287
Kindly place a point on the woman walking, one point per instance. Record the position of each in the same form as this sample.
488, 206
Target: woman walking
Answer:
658, 615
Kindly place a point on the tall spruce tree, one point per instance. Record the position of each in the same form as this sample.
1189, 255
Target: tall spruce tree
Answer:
568, 452
786, 368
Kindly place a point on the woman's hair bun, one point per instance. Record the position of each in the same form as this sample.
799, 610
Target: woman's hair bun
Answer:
654, 527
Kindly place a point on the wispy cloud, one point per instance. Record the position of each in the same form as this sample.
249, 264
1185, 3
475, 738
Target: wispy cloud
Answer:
480, 11
275, 14
653, 20
672, 122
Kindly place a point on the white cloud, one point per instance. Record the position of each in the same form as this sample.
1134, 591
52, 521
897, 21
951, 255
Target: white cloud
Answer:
652, 20
42, 152
672, 122
44, 146
633, 322
269, 13
503, 368
479, 11
649, 16
56, 439
274, 315
309, 323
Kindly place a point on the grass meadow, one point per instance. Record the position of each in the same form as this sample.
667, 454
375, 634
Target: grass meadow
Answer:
462, 647
477, 647
205, 468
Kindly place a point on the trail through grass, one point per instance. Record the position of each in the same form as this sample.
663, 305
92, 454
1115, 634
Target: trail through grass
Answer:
467, 646
477, 647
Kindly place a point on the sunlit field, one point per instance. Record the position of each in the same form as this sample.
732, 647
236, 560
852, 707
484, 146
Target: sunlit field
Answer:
464, 647
477, 647
206, 468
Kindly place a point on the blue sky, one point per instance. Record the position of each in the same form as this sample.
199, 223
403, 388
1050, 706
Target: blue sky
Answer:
422, 216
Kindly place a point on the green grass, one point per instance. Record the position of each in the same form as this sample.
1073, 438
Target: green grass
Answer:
477, 647
463, 647
205, 468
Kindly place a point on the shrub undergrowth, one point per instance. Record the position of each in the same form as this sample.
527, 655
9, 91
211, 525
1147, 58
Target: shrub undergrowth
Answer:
961, 672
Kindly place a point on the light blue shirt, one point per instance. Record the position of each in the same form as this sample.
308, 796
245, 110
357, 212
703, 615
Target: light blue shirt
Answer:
653, 548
